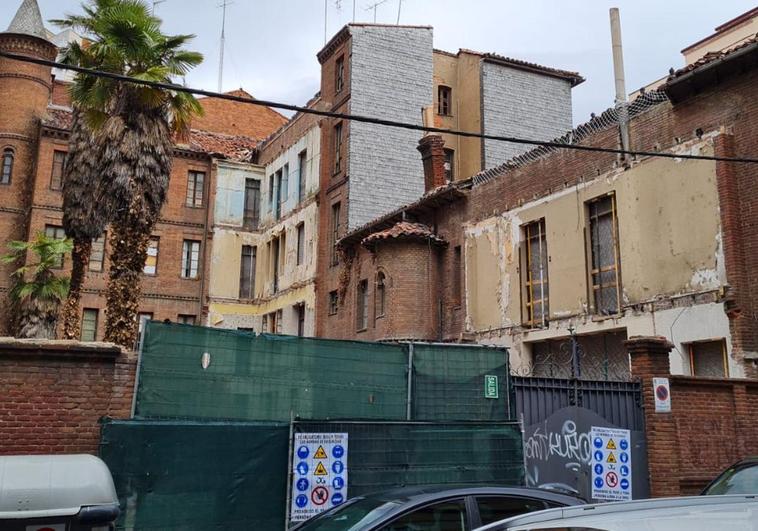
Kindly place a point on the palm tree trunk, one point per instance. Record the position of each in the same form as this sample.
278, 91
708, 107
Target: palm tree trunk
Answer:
129, 240
70, 314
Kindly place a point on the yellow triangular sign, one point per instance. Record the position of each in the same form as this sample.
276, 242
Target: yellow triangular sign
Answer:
611, 445
321, 470
611, 459
321, 454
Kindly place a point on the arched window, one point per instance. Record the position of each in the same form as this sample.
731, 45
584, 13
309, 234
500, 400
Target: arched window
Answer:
380, 294
7, 166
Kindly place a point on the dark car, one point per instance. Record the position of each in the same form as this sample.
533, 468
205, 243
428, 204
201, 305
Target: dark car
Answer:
435, 508
740, 478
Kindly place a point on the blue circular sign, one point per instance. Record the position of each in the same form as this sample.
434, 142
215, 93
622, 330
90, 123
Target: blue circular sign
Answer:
598, 442
599, 483
303, 452
598, 456
338, 451
302, 468
598, 469
625, 484
302, 484
624, 457
337, 498
338, 467
624, 444
338, 483
301, 501
624, 470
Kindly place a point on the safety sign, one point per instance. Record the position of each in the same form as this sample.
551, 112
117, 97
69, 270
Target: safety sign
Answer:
662, 395
319, 473
611, 464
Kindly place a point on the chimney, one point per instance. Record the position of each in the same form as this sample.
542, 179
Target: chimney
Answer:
432, 152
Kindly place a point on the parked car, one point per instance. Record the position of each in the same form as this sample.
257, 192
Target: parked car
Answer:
740, 478
435, 508
694, 513
56, 492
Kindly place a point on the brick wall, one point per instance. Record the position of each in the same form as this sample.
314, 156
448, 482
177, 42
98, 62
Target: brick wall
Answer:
711, 424
55, 392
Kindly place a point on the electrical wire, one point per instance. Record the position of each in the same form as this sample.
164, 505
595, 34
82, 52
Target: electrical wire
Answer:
367, 119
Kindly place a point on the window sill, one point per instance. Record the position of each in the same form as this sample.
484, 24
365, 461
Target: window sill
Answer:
194, 279
361, 330
193, 207
380, 316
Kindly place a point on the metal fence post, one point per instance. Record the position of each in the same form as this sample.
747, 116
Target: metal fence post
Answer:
139, 367
290, 454
409, 399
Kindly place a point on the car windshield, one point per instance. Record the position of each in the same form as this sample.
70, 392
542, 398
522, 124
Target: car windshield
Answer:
352, 516
736, 481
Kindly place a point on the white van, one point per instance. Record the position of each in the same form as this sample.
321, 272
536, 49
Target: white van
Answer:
56, 493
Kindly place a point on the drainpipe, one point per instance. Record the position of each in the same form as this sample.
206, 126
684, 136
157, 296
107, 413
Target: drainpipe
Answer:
622, 106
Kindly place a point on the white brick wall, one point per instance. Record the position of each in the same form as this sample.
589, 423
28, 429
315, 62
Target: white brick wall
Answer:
391, 78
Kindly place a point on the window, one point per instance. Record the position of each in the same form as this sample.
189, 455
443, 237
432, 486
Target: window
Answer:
457, 274
361, 312
708, 359
186, 319
449, 515
535, 278
247, 271
142, 319
604, 248
285, 186
300, 243
449, 165
252, 203
496, 508
339, 74
379, 294
7, 167
300, 311
444, 100
337, 148
97, 254
272, 322
275, 264
59, 164
271, 183
277, 204
195, 188
53, 231
190, 258
302, 160
151, 261
89, 324
333, 302
335, 233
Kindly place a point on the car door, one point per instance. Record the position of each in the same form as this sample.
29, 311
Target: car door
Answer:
446, 515
492, 508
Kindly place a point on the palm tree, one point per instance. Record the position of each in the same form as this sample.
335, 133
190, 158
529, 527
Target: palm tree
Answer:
37, 291
134, 130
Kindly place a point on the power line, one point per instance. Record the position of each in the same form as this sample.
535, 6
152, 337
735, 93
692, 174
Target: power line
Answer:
366, 119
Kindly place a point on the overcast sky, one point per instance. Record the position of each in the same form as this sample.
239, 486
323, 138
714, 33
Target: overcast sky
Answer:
272, 44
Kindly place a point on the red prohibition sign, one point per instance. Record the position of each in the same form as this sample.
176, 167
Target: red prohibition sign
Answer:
611, 479
661, 392
319, 496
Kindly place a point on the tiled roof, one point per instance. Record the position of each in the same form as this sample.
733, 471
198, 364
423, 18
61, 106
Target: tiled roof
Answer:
403, 230
573, 77
57, 117
714, 56
237, 118
28, 20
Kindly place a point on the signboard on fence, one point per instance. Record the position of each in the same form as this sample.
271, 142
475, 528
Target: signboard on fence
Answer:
319, 473
662, 394
611, 464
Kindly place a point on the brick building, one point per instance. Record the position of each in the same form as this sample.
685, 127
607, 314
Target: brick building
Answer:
561, 242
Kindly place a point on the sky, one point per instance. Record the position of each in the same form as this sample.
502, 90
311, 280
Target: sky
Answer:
271, 45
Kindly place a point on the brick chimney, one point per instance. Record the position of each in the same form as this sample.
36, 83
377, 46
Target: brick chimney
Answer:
432, 152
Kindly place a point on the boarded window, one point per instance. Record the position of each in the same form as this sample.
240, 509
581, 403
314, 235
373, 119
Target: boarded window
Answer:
57, 233
252, 203
333, 302
195, 188
247, 271
190, 258
151, 261
302, 161
97, 254
6, 172
604, 273
708, 359
301, 243
361, 312
89, 324
335, 234
337, 148
535, 278
380, 294
444, 103
339, 74
59, 163
449, 165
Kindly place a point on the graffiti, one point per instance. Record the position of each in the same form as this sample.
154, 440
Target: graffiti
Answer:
567, 445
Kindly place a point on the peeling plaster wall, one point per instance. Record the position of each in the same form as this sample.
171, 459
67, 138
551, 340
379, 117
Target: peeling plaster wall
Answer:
229, 206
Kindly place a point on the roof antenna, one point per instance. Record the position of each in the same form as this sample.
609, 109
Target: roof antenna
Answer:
155, 3
399, 7
373, 6
223, 5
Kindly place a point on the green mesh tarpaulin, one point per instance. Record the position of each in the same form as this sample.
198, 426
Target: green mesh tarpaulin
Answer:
174, 475
276, 378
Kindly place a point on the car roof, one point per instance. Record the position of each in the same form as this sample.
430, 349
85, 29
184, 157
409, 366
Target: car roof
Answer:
607, 513
420, 494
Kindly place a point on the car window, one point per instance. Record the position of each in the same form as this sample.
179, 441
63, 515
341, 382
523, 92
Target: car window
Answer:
495, 508
356, 514
737, 481
446, 516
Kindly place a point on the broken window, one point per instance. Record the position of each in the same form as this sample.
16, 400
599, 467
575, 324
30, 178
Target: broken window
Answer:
339, 75
604, 273
302, 160
195, 188
247, 271
449, 165
444, 100
300, 243
457, 275
186, 319
361, 312
337, 148
97, 254
380, 294
708, 359
252, 203
333, 302
335, 234
300, 311
535, 278
190, 258
59, 163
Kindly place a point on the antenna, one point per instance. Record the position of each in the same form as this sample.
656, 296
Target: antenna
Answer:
155, 3
373, 6
223, 5
399, 7
326, 5
353, 10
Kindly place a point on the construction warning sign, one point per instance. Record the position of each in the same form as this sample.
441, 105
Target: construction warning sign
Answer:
611, 464
319, 473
